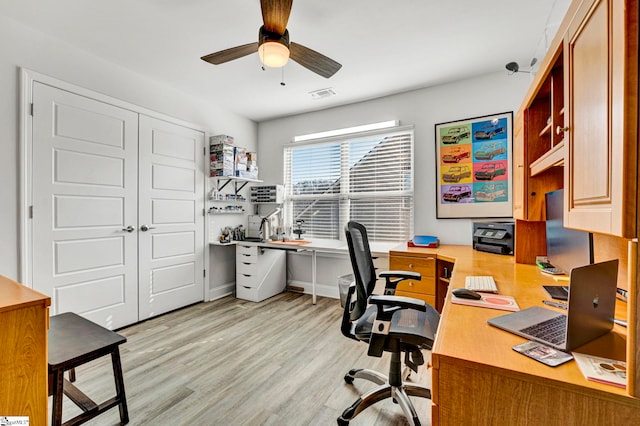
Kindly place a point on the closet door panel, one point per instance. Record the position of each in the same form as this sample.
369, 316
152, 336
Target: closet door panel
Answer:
85, 166
171, 206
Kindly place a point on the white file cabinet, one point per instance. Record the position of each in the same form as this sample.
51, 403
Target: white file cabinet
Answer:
260, 272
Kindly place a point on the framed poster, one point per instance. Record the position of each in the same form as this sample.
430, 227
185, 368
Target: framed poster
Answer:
474, 167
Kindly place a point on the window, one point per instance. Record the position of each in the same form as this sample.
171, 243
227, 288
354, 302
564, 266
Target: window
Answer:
368, 179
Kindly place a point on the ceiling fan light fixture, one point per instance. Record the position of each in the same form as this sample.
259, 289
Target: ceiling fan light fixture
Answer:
273, 54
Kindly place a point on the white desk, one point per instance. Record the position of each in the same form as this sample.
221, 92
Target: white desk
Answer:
314, 246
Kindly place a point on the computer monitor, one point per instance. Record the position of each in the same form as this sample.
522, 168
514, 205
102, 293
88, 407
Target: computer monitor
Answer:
566, 248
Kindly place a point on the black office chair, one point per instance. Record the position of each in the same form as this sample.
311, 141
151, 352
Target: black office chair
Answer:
395, 324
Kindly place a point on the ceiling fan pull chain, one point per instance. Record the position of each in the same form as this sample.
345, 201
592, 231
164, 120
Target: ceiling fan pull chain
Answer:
282, 83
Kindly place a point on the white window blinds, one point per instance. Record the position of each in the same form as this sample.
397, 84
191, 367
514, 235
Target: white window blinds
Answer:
368, 179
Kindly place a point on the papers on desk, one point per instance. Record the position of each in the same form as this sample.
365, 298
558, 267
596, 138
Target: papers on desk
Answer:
602, 370
489, 300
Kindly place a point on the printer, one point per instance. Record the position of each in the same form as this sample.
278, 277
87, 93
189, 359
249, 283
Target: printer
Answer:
494, 237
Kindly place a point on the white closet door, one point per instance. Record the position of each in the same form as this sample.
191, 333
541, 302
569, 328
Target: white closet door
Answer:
171, 205
84, 175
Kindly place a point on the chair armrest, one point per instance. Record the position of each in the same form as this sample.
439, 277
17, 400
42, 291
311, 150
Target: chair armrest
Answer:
405, 275
394, 277
395, 302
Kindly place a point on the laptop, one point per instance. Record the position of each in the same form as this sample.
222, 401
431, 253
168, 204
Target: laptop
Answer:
590, 311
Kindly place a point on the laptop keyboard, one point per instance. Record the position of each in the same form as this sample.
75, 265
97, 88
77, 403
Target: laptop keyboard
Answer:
553, 330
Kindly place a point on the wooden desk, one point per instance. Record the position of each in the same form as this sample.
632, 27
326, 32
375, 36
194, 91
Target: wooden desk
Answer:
24, 319
478, 379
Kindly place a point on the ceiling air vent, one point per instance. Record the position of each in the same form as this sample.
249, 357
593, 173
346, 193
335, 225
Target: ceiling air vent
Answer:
322, 93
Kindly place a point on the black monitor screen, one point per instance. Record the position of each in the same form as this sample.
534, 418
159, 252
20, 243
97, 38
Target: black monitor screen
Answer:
566, 248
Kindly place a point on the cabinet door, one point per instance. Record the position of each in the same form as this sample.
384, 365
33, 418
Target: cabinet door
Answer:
601, 95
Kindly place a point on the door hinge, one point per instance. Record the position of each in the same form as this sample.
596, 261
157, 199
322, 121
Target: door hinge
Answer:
204, 212
31, 109
30, 212
204, 151
204, 272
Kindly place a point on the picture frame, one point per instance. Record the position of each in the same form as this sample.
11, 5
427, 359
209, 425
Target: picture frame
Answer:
474, 167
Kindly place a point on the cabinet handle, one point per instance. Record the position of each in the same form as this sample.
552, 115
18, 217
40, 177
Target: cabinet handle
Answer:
559, 130
410, 283
411, 266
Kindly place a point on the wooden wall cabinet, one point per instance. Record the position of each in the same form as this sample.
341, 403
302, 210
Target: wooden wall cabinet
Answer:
577, 128
601, 73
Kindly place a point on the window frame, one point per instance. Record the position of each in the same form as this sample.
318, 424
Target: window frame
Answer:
344, 196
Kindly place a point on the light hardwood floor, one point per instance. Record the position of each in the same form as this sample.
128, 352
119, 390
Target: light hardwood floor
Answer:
232, 362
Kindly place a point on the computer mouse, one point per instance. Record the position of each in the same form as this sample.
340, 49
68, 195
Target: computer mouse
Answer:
466, 294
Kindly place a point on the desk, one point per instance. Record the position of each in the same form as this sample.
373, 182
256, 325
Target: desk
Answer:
479, 379
315, 246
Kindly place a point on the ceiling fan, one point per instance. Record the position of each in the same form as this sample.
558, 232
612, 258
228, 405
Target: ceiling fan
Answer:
273, 44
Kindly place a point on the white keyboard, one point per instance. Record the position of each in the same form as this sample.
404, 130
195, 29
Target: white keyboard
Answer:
483, 283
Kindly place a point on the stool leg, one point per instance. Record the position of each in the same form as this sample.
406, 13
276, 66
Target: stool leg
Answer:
72, 375
58, 393
119, 379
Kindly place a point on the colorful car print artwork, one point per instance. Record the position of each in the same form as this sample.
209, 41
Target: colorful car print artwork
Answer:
490, 171
488, 151
455, 193
488, 192
455, 155
456, 174
455, 135
488, 131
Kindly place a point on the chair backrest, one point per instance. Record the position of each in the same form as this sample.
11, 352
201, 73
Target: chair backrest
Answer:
362, 264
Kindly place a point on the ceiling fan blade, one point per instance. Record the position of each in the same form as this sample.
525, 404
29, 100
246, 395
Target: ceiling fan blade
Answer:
313, 60
275, 15
227, 55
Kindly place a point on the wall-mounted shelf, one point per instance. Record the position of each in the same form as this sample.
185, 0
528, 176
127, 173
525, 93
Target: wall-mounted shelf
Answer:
215, 212
238, 182
552, 158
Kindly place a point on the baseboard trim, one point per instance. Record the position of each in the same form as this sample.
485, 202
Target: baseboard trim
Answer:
221, 291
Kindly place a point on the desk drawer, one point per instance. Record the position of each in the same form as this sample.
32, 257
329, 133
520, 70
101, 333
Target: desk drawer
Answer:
427, 286
246, 258
425, 266
247, 250
246, 280
246, 267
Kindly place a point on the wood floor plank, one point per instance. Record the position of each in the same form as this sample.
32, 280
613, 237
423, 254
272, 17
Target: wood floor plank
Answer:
233, 362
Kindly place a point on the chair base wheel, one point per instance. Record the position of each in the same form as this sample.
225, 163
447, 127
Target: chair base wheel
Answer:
342, 422
348, 379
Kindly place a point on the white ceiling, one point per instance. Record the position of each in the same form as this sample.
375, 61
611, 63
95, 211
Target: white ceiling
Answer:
384, 46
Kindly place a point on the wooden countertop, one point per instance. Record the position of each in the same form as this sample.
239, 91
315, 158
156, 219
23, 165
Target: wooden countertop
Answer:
14, 295
465, 337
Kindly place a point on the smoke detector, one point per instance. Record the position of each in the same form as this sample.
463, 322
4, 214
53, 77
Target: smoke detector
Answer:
322, 93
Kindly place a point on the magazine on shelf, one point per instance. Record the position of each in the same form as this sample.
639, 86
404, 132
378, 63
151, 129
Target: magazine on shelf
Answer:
602, 370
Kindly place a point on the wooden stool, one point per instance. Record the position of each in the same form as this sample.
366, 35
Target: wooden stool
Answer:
74, 341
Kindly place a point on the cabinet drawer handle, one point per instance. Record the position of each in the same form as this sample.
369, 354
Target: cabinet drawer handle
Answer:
410, 283
411, 266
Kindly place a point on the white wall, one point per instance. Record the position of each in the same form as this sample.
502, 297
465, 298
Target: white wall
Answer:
25, 47
488, 94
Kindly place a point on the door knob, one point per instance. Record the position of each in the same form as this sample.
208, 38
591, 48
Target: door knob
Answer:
145, 228
129, 229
